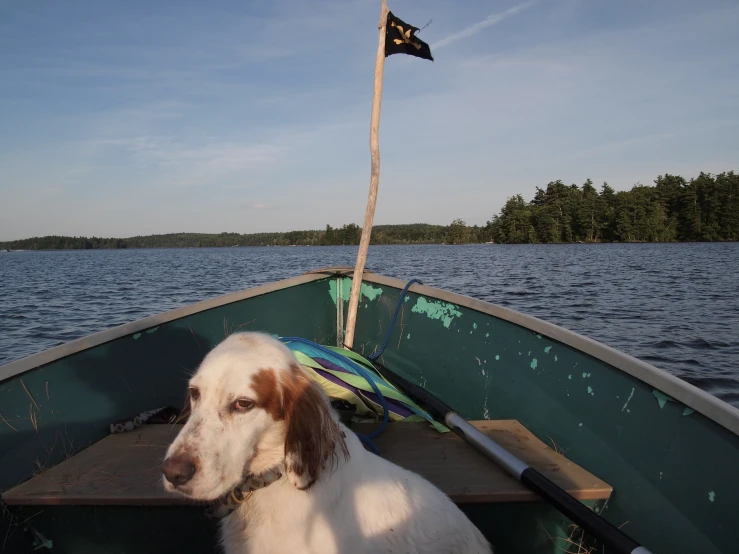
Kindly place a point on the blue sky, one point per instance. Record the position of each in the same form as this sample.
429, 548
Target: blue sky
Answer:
135, 117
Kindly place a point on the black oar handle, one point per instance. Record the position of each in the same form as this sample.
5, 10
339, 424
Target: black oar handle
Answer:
609, 535
601, 529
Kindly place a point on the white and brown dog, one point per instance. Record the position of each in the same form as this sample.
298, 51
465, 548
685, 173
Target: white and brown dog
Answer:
254, 410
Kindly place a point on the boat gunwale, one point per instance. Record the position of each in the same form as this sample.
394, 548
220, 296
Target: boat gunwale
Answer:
703, 402
45, 357
713, 408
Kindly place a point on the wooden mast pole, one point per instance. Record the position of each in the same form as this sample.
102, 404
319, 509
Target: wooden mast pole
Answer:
374, 182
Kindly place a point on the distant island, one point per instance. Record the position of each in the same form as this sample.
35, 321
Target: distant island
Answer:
349, 234
705, 208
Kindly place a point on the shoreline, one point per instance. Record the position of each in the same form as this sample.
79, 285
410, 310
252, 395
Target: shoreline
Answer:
553, 244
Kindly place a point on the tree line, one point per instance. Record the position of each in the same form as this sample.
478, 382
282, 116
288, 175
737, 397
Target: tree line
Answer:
705, 208
349, 234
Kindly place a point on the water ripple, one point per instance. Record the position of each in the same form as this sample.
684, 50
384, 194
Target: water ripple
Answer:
673, 305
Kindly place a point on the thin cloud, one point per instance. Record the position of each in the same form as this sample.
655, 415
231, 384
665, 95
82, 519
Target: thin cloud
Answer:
684, 131
218, 157
489, 21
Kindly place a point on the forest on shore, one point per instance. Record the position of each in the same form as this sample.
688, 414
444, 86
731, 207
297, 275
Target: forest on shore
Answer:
704, 208
349, 234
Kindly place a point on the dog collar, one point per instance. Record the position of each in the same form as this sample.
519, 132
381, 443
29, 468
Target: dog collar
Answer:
241, 493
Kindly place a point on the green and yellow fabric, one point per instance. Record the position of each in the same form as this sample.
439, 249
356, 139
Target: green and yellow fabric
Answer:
346, 375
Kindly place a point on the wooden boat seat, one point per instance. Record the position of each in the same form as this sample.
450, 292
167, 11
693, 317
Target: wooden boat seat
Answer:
125, 468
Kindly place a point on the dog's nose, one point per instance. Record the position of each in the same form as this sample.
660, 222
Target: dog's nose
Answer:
179, 469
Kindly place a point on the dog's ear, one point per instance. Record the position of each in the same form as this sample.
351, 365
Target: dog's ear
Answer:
312, 435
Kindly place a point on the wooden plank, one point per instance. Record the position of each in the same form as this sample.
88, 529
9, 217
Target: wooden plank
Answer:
125, 469
467, 476
121, 469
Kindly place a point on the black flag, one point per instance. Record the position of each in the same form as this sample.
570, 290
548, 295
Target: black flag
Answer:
400, 39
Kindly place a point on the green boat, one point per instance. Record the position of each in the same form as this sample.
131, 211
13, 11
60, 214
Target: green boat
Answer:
648, 453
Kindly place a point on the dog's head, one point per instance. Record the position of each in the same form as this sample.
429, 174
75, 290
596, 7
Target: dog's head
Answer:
253, 408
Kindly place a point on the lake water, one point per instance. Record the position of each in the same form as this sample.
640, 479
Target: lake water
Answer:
673, 305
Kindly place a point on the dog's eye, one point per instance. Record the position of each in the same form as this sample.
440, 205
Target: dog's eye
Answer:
243, 405
194, 393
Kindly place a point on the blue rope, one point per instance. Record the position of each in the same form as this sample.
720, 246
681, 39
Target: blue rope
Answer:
395, 317
330, 354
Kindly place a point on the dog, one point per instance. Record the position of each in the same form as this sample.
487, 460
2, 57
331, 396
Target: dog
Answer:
255, 411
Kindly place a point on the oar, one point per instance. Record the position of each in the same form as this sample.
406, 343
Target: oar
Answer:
601, 529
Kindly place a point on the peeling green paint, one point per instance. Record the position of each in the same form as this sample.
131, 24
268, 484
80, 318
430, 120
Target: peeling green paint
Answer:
529, 354
152, 330
366, 291
136, 336
497, 357
590, 390
585, 375
437, 310
662, 401
569, 376
711, 496
474, 325
371, 293
688, 411
662, 398
409, 336
333, 288
487, 335
538, 336
547, 349
534, 363
406, 299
